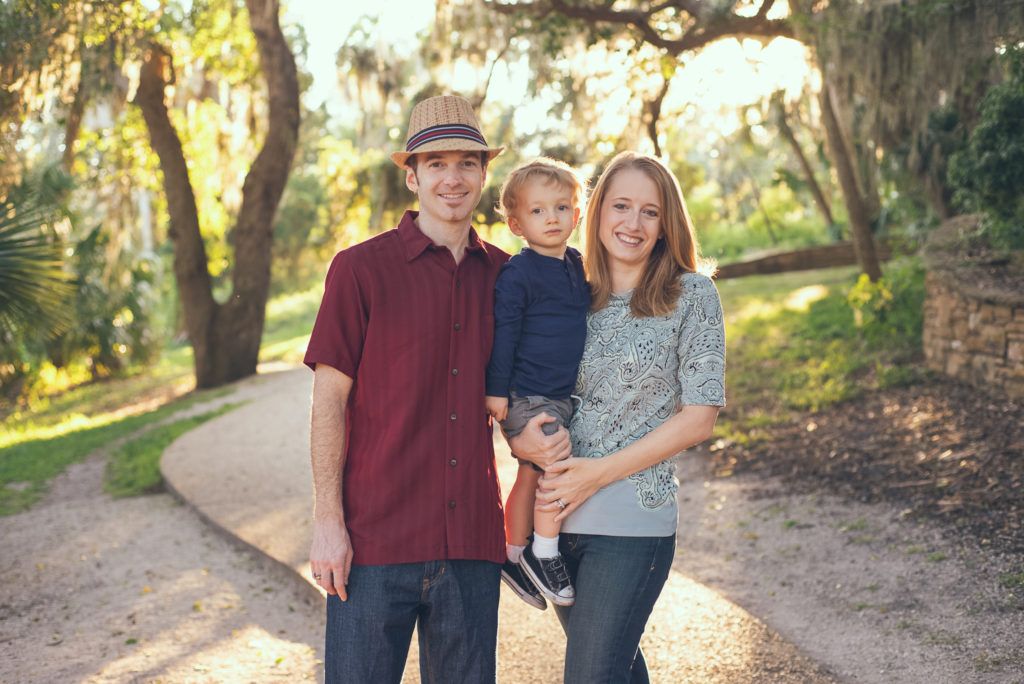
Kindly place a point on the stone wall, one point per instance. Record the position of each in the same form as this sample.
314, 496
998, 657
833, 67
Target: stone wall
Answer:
977, 341
973, 328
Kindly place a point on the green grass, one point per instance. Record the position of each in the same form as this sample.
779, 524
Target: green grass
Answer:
1012, 580
289, 322
63, 426
134, 468
27, 465
805, 341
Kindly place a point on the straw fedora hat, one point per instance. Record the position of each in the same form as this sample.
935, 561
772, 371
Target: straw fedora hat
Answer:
444, 124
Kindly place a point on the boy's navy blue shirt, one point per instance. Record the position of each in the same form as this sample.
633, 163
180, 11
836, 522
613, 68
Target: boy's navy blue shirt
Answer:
540, 324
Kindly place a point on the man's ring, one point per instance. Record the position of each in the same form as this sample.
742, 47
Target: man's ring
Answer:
317, 575
561, 504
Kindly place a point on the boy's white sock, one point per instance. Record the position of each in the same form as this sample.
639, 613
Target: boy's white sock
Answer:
545, 547
514, 553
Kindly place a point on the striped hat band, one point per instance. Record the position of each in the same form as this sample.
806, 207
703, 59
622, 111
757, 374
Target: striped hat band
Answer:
444, 131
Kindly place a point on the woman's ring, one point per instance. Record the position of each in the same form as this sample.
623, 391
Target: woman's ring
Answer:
317, 575
561, 504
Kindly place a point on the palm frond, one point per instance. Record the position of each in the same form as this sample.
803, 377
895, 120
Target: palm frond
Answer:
34, 287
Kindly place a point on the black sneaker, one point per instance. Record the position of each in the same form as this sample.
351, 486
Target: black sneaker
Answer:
519, 582
550, 576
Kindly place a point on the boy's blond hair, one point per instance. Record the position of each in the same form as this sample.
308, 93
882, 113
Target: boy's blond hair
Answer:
547, 169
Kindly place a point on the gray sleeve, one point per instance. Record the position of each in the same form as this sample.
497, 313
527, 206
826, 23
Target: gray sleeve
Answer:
701, 344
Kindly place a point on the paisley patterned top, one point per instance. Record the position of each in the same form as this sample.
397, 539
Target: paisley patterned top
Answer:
636, 373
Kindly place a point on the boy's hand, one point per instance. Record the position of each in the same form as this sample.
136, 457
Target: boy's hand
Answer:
497, 407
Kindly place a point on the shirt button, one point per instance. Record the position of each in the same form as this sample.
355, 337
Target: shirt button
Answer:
458, 283
451, 504
452, 416
455, 371
457, 326
452, 462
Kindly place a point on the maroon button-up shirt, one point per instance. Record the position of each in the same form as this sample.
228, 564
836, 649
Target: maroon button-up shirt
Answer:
413, 329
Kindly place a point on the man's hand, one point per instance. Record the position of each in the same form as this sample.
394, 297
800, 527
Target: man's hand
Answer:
533, 445
330, 558
497, 407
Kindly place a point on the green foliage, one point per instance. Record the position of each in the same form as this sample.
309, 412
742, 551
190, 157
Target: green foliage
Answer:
289, 321
892, 308
33, 284
134, 467
988, 173
1012, 580
34, 287
55, 431
26, 466
805, 341
729, 241
112, 302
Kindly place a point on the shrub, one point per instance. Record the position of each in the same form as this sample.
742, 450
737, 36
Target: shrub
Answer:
890, 311
988, 173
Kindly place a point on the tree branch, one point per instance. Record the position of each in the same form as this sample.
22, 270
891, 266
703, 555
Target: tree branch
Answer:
765, 7
698, 34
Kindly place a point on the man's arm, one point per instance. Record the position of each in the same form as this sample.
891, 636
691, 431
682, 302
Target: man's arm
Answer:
331, 554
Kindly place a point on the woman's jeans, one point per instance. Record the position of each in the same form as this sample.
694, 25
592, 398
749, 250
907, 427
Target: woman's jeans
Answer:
453, 603
617, 581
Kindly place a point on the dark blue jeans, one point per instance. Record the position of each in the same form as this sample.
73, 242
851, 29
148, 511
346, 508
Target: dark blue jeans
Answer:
453, 603
617, 581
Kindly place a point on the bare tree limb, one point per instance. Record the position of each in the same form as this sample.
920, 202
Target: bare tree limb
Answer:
695, 30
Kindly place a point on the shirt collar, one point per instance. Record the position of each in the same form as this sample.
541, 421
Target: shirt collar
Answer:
416, 242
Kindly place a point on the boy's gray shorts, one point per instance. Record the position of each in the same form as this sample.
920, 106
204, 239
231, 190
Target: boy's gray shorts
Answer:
522, 409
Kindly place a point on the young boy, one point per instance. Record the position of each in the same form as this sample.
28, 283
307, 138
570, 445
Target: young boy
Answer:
541, 300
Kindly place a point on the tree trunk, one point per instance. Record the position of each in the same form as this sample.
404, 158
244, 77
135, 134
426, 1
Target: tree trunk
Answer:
226, 338
652, 114
756, 189
72, 126
782, 121
261, 193
856, 206
190, 268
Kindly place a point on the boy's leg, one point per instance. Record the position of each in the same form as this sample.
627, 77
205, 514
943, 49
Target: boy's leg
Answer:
540, 573
458, 625
544, 521
519, 514
543, 563
518, 526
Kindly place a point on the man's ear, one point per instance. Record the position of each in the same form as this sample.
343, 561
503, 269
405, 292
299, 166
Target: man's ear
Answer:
411, 181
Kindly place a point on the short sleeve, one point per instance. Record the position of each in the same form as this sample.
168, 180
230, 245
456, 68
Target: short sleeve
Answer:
340, 328
701, 344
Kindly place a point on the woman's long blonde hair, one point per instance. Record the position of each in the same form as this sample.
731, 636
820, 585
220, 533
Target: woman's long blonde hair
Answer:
676, 251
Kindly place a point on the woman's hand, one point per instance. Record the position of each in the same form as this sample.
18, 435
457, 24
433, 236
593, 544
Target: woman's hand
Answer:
568, 483
533, 445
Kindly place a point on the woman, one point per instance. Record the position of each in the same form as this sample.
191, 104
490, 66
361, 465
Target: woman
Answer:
651, 380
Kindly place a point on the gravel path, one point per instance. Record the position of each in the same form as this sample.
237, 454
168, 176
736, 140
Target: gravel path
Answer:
143, 590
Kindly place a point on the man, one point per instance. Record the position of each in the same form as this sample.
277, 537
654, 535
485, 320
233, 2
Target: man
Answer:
407, 515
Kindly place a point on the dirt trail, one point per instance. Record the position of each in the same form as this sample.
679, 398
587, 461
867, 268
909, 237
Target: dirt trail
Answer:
143, 590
